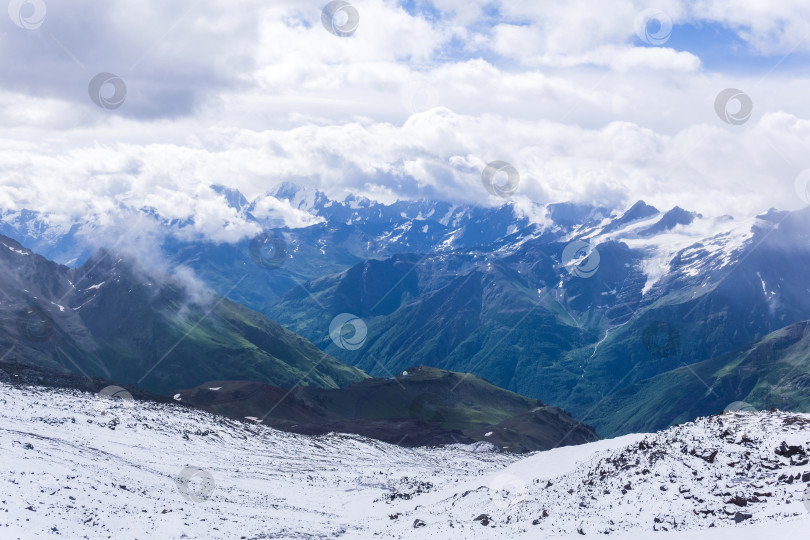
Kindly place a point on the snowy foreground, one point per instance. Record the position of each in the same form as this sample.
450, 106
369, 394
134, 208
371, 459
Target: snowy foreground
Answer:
77, 466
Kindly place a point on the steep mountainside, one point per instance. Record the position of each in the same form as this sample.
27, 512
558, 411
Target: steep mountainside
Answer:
522, 319
772, 373
111, 319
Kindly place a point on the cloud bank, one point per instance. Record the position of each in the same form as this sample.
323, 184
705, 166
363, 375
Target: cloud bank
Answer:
413, 105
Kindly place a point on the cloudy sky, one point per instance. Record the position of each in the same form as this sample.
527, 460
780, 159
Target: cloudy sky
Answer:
599, 101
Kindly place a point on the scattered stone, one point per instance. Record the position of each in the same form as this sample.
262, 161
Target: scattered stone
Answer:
484, 519
786, 450
738, 500
739, 517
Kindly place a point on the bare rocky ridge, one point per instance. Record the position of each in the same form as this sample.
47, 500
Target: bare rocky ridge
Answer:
420, 407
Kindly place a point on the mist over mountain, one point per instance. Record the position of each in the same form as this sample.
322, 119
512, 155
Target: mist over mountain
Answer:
157, 334
494, 292
114, 319
669, 289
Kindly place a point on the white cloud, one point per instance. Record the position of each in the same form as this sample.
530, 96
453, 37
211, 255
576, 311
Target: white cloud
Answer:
258, 93
769, 27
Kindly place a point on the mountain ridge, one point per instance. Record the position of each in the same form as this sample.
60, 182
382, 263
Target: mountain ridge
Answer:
420, 406
110, 319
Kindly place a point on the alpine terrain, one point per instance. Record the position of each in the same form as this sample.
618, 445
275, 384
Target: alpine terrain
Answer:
81, 466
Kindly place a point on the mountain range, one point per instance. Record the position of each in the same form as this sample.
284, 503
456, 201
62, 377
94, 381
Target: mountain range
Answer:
610, 314
112, 322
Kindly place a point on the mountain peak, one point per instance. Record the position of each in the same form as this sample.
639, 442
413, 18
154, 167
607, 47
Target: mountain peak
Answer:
674, 217
291, 190
640, 210
772, 215
300, 197
104, 259
233, 196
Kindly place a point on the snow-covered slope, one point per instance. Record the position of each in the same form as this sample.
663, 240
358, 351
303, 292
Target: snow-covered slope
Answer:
717, 472
76, 466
